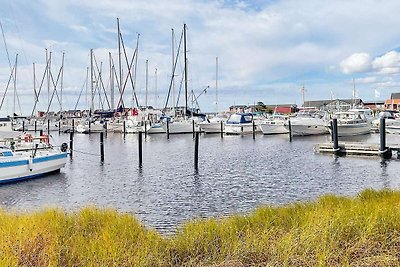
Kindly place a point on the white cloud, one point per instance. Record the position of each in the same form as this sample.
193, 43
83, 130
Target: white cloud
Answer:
366, 80
389, 63
358, 62
79, 28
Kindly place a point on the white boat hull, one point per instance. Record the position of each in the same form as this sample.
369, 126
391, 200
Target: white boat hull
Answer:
354, 129
239, 128
268, 128
156, 129
180, 127
211, 127
22, 168
393, 129
303, 130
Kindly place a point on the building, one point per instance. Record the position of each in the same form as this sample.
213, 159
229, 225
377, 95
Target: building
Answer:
334, 105
393, 102
282, 108
375, 105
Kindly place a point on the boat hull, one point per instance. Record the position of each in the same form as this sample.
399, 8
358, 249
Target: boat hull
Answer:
304, 130
24, 168
268, 128
212, 127
239, 128
354, 129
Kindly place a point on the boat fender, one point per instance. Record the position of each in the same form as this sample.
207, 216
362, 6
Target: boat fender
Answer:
64, 147
28, 137
45, 138
30, 164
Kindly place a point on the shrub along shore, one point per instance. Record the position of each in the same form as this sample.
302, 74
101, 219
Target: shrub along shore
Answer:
331, 231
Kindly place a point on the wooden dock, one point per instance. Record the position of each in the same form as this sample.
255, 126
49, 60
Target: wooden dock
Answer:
357, 148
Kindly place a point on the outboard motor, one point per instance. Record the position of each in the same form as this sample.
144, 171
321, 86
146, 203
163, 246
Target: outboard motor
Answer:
64, 147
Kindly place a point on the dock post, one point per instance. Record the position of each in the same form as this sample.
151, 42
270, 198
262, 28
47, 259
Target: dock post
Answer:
384, 151
90, 127
124, 127
167, 128
105, 127
145, 129
140, 148
332, 136
59, 126
48, 127
73, 125
222, 129
254, 130
102, 146
193, 128
23, 125
71, 143
290, 131
335, 136
41, 133
35, 125
196, 151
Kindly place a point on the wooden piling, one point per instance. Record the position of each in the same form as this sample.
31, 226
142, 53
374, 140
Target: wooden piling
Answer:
335, 136
167, 128
102, 146
23, 125
73, 125
254, 130
90, 126
124, 127
59, 126
140, 148
35, 125
196, 151
145, 129
48, 127
290, 131
71, 143
193, 130
222, 129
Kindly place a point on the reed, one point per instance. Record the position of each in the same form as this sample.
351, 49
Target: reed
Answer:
331, 231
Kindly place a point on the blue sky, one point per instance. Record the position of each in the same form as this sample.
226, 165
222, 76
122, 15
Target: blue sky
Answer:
266, 49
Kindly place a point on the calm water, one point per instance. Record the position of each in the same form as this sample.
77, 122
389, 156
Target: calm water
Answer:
236, 174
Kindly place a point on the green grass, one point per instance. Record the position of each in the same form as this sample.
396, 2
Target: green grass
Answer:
332, 231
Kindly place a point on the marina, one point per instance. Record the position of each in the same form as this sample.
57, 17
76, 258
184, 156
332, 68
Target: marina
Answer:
235, 174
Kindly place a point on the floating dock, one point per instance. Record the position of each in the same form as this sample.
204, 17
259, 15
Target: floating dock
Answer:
356, 148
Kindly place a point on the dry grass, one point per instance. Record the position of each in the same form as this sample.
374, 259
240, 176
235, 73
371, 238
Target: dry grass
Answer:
332, 231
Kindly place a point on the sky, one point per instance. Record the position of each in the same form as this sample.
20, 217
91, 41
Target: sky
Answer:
266, 50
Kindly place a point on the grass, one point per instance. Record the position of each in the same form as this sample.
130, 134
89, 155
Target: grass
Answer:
332, 231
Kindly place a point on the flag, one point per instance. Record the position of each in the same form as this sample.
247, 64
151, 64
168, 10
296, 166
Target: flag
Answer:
377, 93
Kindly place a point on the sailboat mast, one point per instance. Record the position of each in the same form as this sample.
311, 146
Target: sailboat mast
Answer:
216, 85
172, 72
354, 93
186, 81
147, 81
61, 85
34, 88
155, 87
91, 83
111, 82
15, 84
119, 56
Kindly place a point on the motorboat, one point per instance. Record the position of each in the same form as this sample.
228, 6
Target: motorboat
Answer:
308, 122
353, 122
275, 124
239, 123
390, 116
213, 125
29, 157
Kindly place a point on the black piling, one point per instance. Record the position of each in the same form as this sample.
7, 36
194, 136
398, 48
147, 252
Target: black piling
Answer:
254, 130
124, 127
167, 129
41, 132
140, 148
48, 127
90, 126
23, 125
73, 125
35, 125
331, 124
193, 130
196, 151
59, 126
71, 143
102, 146
145, 129
385, 151
335, 136
290, 131
222, 129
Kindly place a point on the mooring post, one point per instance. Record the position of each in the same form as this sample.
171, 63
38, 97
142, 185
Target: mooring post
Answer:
335, 135
145, 129
71, 143
35, 125
48, 127
140, 148
332, 136
105, 127
254, 130
102, 146
59, 126
23, 125
167, 128
196, 151
41, 132
90, 126
193, 128
73, 125
222, 129
290, 131
382, 134
124, 127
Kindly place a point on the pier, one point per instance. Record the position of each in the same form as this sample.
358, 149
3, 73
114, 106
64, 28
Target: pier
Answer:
356, 148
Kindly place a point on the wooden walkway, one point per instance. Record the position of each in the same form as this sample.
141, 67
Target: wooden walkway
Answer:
361, 149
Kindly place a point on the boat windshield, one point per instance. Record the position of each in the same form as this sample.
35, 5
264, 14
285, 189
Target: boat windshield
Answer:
237, 118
